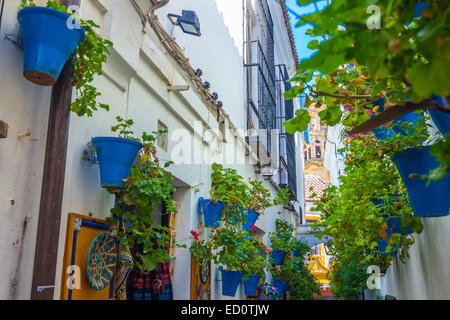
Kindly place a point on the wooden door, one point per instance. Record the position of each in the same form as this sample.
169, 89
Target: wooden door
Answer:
200, 280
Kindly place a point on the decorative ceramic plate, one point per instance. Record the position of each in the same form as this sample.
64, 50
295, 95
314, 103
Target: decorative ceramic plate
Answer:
204, 271
101, 261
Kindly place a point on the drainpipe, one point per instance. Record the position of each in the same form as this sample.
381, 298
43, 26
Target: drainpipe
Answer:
45, 260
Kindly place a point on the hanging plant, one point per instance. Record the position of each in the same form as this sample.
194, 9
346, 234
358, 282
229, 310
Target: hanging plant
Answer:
147, 188
90, 55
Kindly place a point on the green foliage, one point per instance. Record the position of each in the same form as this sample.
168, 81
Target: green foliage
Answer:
441, 151
405, 59
123, 126
302, 283
228, 186
299, 123
354, 213
348, 279
147, 188
260, 196
233, 248
91, 54
282, 198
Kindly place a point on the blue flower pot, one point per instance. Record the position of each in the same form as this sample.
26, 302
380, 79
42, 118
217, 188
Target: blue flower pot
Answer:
278, 256
230, 282
394, 224
382, 245
383, 133
426, 201
116, 157
281, 286
251, 217
212, 212
414, 119
48, 43
251, 285
440, 119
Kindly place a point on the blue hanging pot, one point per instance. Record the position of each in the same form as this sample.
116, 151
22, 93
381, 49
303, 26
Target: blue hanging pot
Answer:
382, 133
394, 225
251, 217
440, 118
281, 286
426, 201
278, 256
212, 212
116, 157
382, 245
414, 119
251, 285
230, 281
48, 43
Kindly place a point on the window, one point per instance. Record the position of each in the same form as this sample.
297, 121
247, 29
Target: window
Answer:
163, 138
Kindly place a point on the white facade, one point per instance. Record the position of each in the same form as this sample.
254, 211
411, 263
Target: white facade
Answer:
134, 84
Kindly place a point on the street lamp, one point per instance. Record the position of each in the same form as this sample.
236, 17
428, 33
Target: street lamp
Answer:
188, 21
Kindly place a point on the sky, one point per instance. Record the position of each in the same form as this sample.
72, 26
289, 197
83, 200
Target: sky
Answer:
302, 40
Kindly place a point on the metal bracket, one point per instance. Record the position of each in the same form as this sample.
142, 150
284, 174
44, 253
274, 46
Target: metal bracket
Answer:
16, 39
90, 155
199, 205
42, 288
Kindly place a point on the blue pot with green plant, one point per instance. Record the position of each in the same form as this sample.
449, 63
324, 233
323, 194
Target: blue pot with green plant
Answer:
278, 256
441, 119
116, 157
281, 286
212, 211
48, 43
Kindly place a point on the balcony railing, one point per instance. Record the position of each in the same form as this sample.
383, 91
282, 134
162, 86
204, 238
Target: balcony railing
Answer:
261, 105
288, 164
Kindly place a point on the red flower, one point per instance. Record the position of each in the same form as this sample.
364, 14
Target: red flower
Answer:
289, 258
326, 237
279, 212
194, 234
253, 228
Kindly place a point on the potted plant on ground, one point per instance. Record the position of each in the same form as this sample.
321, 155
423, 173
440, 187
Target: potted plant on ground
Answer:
50, 39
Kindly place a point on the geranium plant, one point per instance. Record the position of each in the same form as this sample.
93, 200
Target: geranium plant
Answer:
90, 56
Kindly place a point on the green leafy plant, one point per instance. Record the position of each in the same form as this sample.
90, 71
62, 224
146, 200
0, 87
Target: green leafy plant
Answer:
233, 248
90, 56
303, 285
347, 279
404, 62
147, 188
355, 213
